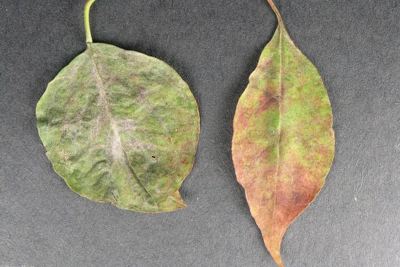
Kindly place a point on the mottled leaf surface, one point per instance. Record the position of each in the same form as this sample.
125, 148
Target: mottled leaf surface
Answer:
283, 142
120, 127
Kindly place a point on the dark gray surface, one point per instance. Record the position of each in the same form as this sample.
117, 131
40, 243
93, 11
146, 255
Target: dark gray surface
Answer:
214, 45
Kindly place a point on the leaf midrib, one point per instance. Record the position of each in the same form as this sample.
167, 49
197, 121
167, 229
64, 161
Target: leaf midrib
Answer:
279, 130
100, 86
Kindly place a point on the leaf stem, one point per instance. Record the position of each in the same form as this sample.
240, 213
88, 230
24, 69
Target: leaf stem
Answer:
276, 11
87, 23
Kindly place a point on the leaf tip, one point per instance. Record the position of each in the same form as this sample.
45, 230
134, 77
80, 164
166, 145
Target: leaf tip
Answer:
273, 246
277, 258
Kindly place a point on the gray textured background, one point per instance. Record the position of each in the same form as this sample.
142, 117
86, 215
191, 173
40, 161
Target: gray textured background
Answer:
214, 45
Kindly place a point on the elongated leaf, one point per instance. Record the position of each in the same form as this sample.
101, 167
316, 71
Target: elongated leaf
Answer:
283, 142
120, 127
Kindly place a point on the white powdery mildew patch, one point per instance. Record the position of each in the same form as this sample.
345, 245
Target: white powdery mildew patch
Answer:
128, 124
116, 145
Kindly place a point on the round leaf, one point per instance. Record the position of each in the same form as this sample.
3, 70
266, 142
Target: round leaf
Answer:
120, 127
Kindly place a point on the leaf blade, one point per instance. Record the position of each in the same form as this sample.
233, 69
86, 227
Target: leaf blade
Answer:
283, 141
112, 122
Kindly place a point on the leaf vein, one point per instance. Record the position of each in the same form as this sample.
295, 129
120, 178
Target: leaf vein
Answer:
100, 86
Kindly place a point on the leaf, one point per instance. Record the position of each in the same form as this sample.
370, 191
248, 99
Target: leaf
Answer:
283, 141
120, 127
